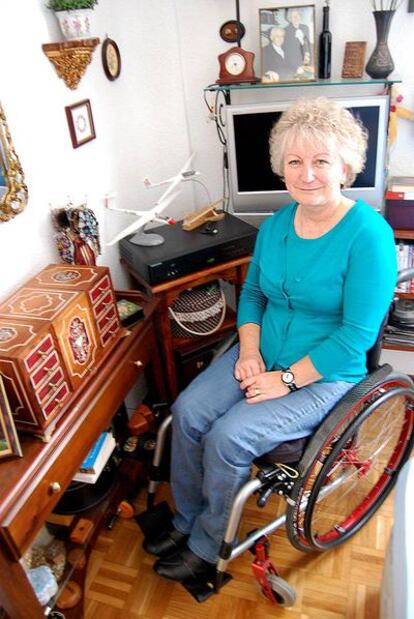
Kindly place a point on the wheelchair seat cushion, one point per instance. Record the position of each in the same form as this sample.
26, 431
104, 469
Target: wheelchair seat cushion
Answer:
290, 451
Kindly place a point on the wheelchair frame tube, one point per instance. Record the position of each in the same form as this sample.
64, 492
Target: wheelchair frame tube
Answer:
156, 461
235, 516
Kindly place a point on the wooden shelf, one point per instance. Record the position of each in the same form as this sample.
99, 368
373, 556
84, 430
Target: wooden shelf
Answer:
26, 498
398, 347
233, 272
404, 234
199, 277
405, 295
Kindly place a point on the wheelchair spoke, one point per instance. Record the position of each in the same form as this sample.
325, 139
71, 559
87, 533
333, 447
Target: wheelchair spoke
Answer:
358, 456
377, 439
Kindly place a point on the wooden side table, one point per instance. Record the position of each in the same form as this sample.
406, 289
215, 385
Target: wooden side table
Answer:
233, 271
31, 486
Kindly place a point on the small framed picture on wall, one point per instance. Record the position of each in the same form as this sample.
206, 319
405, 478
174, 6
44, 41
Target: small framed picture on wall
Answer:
80, 121
287, 42
411, 6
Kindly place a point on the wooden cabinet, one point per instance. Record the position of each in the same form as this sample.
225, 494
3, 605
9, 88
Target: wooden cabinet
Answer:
32, 485
54, 333
233, 271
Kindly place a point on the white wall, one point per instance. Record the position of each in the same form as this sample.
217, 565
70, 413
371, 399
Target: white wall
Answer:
149, 119
140, 123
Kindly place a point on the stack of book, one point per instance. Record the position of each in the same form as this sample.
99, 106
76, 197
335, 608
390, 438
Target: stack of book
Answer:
405, 260
95, 461
399, 201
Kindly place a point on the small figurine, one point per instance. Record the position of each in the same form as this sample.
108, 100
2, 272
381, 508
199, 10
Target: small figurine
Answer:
154, 214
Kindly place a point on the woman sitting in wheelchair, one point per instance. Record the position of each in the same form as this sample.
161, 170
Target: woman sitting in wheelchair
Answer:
319, 284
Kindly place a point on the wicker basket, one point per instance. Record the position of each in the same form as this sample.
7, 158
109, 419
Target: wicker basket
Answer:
198, 311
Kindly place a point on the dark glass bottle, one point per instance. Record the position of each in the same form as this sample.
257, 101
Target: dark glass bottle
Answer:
325, 47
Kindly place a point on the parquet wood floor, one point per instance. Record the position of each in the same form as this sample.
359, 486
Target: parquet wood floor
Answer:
343, 583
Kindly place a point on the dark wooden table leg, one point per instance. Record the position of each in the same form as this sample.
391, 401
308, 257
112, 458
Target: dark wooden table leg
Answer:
166, 342
158, 385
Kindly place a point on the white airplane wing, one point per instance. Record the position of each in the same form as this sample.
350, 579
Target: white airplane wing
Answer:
176, 179
149, 184
127, 211
145, 217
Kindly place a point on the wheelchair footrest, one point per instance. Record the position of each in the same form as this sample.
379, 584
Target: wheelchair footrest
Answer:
203, 588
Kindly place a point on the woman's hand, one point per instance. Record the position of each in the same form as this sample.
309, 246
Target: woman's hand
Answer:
249, 364
264, 386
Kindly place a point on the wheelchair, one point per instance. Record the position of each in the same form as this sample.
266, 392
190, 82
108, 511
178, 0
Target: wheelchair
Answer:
333, 482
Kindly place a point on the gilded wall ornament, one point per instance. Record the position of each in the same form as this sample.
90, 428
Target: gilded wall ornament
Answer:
71, 59
13, 191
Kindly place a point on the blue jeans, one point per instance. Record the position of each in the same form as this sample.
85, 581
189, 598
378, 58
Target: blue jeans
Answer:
217, 435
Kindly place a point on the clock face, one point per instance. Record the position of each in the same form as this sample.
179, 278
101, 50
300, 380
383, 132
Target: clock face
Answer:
111, 59
235, 63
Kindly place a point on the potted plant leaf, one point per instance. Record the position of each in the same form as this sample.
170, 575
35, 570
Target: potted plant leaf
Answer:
74, 17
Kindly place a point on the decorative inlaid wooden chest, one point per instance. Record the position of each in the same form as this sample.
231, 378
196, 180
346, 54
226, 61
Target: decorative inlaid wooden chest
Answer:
54, 332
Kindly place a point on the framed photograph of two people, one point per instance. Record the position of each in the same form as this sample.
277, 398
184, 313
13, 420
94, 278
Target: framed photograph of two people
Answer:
287, 41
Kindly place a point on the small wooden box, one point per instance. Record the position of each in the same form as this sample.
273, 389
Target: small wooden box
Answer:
34, 375
55, 332
96, 283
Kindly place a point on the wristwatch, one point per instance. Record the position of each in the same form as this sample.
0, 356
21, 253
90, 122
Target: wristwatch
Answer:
288, 378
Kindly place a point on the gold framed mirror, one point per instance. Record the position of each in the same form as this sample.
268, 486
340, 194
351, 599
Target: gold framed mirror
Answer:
13, 191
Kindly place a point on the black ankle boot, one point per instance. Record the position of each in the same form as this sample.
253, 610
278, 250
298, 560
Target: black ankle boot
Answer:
184, 565
167, 543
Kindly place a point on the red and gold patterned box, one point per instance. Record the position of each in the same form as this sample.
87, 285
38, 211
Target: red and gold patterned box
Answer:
96, 283
54, 332
34, 376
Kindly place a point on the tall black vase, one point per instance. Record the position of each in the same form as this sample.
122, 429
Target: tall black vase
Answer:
381, 64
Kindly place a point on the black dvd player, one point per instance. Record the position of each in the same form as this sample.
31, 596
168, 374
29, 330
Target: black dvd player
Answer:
185, 252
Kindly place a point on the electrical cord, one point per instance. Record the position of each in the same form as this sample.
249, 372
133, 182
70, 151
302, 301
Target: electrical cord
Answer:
225, 181
215, 111
215, 115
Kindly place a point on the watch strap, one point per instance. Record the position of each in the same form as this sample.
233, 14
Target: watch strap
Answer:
292, 386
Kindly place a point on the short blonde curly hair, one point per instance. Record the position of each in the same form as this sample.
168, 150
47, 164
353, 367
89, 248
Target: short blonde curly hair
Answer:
318, 120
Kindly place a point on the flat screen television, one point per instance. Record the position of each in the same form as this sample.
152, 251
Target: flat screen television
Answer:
256, 190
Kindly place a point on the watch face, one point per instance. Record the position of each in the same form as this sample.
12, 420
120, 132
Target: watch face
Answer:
287, 377
111, 59
235, 63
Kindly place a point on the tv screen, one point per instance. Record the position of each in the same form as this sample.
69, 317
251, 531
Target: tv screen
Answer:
255, 188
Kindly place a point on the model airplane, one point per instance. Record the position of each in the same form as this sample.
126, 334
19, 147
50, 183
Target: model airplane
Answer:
155, 213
